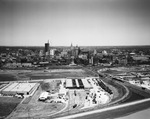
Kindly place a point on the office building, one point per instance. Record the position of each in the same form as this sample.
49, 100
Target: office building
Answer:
47, 52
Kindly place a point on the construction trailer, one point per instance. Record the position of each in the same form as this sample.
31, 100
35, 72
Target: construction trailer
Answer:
43, 96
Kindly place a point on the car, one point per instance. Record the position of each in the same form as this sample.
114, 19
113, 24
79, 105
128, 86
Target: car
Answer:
19, 96
59, 100
49, 101
43, 96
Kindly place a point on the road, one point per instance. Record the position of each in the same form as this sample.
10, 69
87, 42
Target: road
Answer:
144, 114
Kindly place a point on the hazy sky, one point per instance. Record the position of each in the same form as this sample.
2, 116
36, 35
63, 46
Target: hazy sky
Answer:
82, 22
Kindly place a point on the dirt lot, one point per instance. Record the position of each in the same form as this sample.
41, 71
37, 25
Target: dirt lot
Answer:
32, 107
36, 110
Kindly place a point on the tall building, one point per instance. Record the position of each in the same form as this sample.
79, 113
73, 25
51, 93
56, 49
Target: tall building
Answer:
72, 50
41, 53
95, 52
77, 50
47, 48
71, 47
52, 52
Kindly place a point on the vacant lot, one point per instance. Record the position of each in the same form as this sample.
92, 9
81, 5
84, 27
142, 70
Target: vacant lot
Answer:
112, 72
32, 107
12, 75
7, 105
60, 73
37, 110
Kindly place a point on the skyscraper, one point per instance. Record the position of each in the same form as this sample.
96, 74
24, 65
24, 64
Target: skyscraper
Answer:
47, 48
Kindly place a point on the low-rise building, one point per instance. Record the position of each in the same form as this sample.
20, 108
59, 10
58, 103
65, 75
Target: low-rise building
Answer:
20, 88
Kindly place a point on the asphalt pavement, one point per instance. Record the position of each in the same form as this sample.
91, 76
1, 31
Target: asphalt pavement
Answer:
144, 114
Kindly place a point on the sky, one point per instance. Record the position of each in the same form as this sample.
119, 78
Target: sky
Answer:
80, 22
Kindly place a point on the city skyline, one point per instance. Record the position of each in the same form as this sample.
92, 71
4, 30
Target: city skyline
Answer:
80, 22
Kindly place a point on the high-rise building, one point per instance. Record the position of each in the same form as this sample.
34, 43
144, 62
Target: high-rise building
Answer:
95, 52
77, 49
47, 48
71, 47
52, 52
74, 51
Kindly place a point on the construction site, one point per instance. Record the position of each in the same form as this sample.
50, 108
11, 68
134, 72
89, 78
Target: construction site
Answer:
56, 97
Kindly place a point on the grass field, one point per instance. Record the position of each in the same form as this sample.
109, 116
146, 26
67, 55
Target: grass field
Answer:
7, 105
7, 77
12, 75
60, 73
112, 72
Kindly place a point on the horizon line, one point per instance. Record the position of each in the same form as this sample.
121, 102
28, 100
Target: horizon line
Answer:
75, 45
